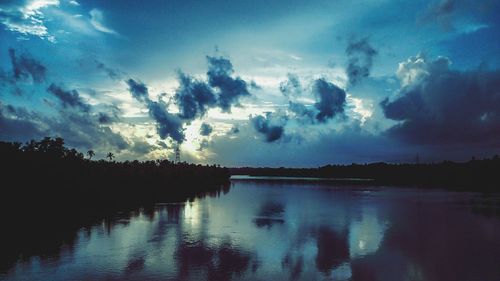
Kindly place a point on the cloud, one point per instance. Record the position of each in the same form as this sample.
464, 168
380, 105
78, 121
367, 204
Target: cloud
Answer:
27, 18
19, 124
327, 146
442, 12
438, 105
302, 113
167, 124
204, 144
78, 129
359, 60
24, 67
255, 86
462, 16
104, 118
138, 90
97, 21
234, 130
111, 116
206, 129
230, 89
332, 100
292, 86
193, 97
68, 98
141, 147
112, 73
263, 125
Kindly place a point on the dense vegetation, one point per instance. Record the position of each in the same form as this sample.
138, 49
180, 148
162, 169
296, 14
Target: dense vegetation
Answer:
480, 175
51, 190
48, 174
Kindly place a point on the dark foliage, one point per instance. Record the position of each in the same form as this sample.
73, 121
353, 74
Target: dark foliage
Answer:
48, 187
474, 175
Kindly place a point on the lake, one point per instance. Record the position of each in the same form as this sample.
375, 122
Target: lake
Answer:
286, 230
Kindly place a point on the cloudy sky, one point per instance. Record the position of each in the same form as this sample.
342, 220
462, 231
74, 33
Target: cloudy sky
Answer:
255, 83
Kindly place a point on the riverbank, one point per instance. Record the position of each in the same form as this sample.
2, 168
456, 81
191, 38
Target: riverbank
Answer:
51, 190
474, 175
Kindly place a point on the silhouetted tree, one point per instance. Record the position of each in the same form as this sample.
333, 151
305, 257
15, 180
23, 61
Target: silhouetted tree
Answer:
50, 184
91, 154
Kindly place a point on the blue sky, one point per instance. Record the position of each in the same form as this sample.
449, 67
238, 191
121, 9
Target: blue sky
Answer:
259, 83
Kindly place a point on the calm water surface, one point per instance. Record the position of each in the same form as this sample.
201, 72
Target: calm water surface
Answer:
263, 230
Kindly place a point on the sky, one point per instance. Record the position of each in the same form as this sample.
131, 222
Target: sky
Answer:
255, 83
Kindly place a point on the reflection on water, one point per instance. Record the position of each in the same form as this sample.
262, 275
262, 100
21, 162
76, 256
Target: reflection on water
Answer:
285, 231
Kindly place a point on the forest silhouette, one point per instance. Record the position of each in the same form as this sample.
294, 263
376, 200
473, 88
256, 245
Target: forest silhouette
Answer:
48, 171
473, 175
53, 190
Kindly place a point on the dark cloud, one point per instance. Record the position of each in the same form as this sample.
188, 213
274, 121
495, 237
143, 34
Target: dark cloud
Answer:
223, 90
68, 98
263, 125
229, 88
193, 97
24, 67
450, 14
206, 129
255, 86
319, 147
234, 130
445, 7
442, 13
332, 100
106, 118
359, 60
291, 86
167, 124
18, 124
78, 129
141, 147
111, 115
112, 73
445, 12
438, 105
138, 90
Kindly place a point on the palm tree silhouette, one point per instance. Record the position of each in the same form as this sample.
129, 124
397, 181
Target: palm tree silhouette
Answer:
110, 156
91, 154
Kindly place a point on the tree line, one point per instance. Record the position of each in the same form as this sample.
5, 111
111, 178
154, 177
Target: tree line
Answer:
50, 189
48, 171
473, 175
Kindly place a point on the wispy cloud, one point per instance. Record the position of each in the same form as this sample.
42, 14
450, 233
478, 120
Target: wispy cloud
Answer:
97, 21
27, 19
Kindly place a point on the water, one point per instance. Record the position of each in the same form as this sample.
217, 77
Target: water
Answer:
272, 230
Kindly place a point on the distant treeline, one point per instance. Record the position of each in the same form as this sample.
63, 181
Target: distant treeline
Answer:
481, 175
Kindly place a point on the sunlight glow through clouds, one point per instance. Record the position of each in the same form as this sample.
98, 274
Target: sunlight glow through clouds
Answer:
95, 47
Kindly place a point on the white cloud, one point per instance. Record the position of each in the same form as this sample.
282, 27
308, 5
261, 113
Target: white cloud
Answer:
27, 19
97, 21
